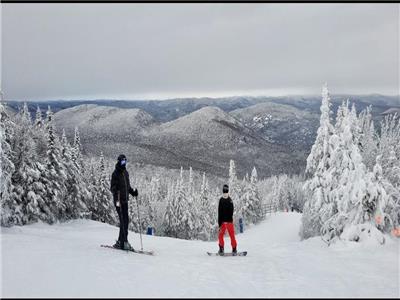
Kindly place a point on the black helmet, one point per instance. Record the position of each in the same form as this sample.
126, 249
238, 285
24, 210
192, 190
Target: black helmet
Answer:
225, 188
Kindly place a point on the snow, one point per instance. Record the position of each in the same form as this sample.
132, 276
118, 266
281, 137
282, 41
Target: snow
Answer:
65, 260
94, 119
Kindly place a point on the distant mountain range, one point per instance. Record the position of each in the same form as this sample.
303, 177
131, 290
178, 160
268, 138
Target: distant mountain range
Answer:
205, 139
167, 110
274, 134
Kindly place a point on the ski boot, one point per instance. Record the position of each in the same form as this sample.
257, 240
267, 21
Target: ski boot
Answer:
221, 250
128, 246
234, 251
117, 245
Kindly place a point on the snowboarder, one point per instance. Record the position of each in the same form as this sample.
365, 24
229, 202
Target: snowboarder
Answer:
225, 220
120, 187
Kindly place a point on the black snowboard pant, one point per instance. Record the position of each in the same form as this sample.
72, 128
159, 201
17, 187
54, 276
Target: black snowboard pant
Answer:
123, 222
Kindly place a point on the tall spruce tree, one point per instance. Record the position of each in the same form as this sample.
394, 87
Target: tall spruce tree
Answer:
26, 192
368, 141
235, 191
7, 168
103, 209
347, 174
207, 212
317, 185
55, 175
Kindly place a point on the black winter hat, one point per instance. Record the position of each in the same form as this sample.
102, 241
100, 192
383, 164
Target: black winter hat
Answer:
225, 188
121, 157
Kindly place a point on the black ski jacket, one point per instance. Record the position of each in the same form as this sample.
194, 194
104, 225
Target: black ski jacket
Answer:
225, 210
120, 185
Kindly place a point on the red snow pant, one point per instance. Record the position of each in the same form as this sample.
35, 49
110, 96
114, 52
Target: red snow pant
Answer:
231, 231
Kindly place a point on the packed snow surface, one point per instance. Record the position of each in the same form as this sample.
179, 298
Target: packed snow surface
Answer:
66, 260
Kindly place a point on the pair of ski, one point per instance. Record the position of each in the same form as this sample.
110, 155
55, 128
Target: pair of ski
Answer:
130, 250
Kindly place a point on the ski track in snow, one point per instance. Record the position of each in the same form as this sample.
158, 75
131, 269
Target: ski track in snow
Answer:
66, 260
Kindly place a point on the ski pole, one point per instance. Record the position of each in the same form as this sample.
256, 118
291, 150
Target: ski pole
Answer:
140, 224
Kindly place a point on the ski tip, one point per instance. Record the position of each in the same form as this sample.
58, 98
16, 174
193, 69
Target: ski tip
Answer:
146, 252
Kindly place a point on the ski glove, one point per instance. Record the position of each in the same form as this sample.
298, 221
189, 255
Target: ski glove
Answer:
134, 193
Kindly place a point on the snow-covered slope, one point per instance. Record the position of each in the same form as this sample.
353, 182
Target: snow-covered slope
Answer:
280, 123
206, 123
65, 260
211, 137
96, 119
208, 131
393, 111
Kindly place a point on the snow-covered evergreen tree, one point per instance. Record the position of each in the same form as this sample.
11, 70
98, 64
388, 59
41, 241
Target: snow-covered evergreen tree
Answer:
76, 185
341, 114
91, 175
356, 129
389, 148
39, 134
190, 221
8, 204
176, 220
195, 226
181, 218
158, 203
348, 186
282, 193
170, 220
77, 150
235, 192
38, 119
26, 171
102, 208
233, 181
207, 212
54, 174
298, 196
251, 208
144, 207
391, 173
352, 202
321, 149
368, 141
389, 153
257, 202
190, 189
317, 186
370, 214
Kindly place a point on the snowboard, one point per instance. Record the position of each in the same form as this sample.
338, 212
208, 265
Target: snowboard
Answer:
133, 250
241, 253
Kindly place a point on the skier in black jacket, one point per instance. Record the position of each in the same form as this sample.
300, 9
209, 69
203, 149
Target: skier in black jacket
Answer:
121, 188
225, 220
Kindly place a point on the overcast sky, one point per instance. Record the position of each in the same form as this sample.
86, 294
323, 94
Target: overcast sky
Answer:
147, 51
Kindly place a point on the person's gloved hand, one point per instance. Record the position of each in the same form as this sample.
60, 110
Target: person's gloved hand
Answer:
133, 192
